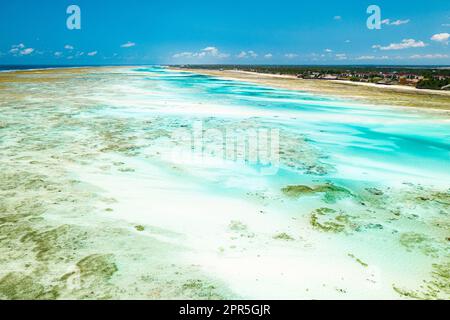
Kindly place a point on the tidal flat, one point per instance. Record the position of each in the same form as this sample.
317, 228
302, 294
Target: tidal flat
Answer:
392, 95
94, 204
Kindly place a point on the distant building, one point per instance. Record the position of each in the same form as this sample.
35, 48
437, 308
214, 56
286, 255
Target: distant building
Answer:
329, 77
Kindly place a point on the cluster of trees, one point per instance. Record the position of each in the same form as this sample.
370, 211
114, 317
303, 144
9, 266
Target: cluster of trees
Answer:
427, 72
433, 83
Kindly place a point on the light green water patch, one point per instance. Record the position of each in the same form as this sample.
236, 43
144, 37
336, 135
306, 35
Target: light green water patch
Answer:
59, 238
331, 193
439, 197
18, 286
43, 258
413, 241
283, 236
54, 242
330, 220
241, 229
362, 263
139, 228
437, 287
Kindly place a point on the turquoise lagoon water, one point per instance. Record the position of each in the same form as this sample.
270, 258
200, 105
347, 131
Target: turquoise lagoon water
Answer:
367, 212
356, 205
407, 143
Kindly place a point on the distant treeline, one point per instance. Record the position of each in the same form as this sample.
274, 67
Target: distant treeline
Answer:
427, 72
435, 84
430, 77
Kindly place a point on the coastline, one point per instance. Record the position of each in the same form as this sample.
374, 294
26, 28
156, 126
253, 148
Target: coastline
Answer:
366, 84
394, 95
347, 182
44, 69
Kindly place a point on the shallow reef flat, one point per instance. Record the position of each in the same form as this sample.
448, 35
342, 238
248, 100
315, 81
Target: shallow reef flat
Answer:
94, 205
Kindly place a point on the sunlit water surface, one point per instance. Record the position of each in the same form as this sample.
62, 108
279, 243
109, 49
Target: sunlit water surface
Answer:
352, 202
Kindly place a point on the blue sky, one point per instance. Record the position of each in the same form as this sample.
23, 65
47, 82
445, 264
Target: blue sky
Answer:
246, 32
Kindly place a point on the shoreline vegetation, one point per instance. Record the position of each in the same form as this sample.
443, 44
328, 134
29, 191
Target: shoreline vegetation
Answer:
363, 92
432, 78
366, 92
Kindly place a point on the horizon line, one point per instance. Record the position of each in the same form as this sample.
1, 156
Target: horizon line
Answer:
229, 64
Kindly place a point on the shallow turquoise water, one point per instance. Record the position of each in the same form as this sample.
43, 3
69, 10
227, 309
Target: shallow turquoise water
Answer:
357, 207
394, 140
393, 162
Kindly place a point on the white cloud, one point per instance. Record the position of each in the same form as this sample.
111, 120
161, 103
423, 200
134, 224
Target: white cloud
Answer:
446, 24
395, 22
429, 56
206, 52
366, 58
341, 56
247, 54
68, 47
291, 55
58, 54
328, 50
182, 55
214, 52
129, 44
337, 18
441, 37
399, 22
405, 44
26, 51
22, 50
268, 56
93, 53
372, 58
15, 48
